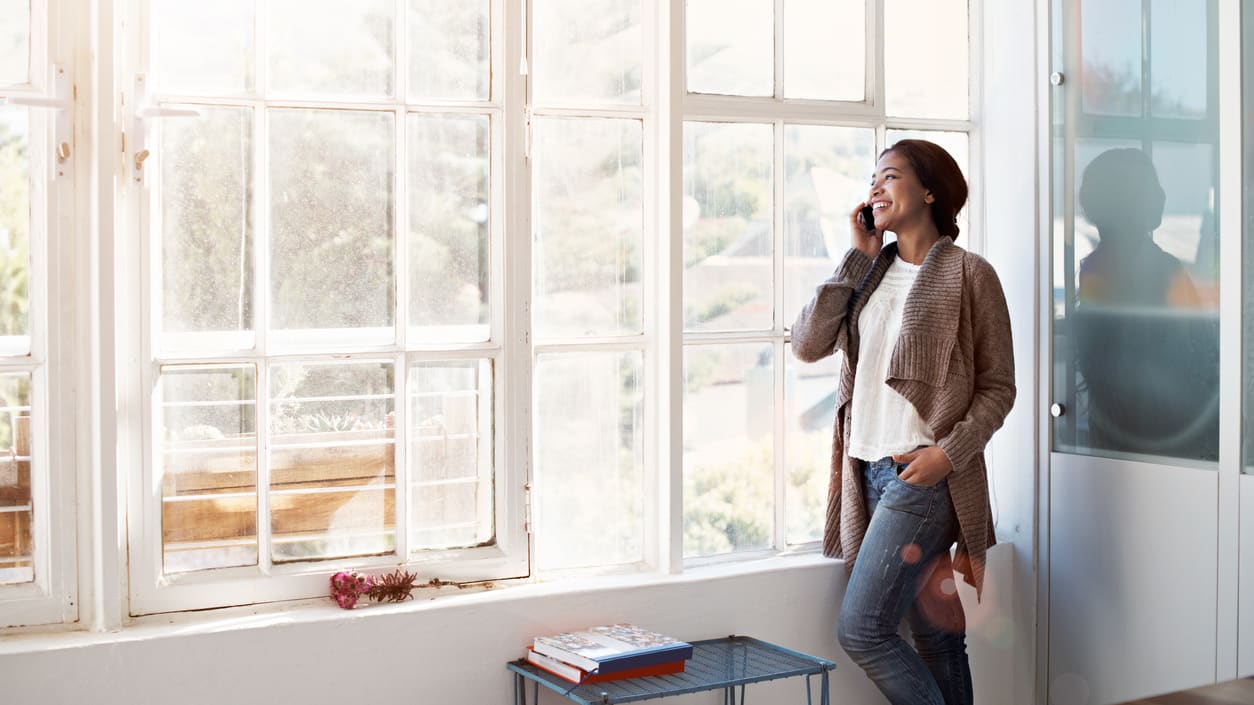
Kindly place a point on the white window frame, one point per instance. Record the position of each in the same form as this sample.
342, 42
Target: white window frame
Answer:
52, 363
110, 464
779, 112
654, 310
153, 592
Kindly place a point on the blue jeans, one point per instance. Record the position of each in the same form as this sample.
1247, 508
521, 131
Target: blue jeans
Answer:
903, 570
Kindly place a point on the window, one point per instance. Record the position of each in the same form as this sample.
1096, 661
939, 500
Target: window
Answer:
325, 337
395, 266
36, 426
781, 130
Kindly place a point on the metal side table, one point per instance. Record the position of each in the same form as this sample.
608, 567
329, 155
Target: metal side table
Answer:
729, 663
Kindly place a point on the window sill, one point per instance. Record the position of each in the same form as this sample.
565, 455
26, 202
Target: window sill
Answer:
40, 639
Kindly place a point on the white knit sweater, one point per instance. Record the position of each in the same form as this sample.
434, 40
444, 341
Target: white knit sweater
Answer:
884, 423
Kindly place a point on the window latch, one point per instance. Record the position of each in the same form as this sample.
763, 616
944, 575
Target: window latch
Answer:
62, 101
141, 114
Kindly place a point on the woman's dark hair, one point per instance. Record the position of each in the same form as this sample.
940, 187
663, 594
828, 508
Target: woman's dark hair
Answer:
939, 173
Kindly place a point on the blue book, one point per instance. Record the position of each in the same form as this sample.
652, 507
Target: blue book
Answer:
612, 648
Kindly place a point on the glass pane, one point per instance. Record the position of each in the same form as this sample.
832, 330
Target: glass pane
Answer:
1247, 267
728, 229
17, 564
588, 226
450, 50
331, 47
817, 67
731, 47
827, 172
331, 175
202, 48
450, 417
206, 235
449, 260
15, 41
1139, 320
926, 72
810, 392
1178, 58
208, 450
587, 51
729, 454
589, 459
15, 223
332, 460
1110, 43
957, 144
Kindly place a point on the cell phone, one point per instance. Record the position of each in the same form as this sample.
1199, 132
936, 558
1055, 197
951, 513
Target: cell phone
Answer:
868, 218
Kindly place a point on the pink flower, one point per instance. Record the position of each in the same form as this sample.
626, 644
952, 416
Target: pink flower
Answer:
348, 586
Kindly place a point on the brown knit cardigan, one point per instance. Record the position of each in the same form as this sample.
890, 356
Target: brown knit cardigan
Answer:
953, 361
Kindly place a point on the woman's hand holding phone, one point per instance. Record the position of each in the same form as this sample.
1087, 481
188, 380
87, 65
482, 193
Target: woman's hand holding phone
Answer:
864, 235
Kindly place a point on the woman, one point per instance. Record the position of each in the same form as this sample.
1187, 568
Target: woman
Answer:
928, 376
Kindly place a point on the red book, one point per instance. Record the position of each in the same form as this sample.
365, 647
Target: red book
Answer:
567, 672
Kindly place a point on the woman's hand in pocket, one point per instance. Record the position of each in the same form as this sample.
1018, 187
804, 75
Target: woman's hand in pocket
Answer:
927, 466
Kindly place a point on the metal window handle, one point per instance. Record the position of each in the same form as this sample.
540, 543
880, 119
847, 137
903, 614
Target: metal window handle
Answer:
137, 132
1057, 410
62, 102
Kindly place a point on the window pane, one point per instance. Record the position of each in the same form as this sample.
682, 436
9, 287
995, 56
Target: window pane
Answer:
587, 51
15, 41
828, 170
450, 50
1110, 42
1138, 340
206, 236
331, 47
331, 175
729, 457
588, 225
332, 460
727, 226
1178, 58
589, 459
731, 47
17, 563
450, 417
15, 223
810, 391
208, 447
817, 67
448, 226
202, 48
925, 58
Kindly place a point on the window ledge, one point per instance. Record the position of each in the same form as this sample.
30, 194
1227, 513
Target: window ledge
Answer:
179, 624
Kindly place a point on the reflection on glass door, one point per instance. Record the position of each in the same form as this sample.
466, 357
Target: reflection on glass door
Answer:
1136, 280
1247, 268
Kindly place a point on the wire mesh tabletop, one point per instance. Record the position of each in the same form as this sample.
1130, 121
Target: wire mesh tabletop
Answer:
727, 663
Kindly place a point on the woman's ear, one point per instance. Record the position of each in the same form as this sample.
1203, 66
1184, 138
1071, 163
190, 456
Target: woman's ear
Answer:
928, 198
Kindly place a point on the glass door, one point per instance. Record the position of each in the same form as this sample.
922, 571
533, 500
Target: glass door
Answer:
1135, 331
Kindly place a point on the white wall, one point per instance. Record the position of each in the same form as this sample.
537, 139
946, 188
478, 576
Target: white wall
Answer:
1245, 610
453, 649
1008, 128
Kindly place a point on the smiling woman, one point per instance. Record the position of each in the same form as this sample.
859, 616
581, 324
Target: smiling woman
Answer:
913, 414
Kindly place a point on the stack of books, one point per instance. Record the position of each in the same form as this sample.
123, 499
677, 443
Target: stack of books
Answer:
608, 653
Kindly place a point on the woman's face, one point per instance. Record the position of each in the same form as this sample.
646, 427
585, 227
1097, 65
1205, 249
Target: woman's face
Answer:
897, 196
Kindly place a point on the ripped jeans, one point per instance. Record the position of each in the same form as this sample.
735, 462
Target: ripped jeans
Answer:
903, 570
